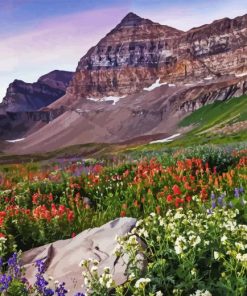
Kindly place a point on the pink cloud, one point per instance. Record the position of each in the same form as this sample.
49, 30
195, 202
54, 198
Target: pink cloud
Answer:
192, 14
56, 43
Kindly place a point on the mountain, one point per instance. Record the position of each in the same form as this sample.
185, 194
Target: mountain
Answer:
125, 60
20, 107
22, 96
134, 54
141, 79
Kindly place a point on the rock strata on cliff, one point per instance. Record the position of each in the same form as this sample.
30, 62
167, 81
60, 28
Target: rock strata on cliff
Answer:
22, 96
140, 80
138, 51
24, 103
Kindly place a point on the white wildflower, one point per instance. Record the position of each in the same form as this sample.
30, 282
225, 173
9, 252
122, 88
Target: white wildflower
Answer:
223, 239
196, 241
240, 246
216, 255
142, 282
94, 268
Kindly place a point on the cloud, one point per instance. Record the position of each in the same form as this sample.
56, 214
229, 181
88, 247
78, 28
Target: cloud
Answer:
59, 42
56, 43
185, 15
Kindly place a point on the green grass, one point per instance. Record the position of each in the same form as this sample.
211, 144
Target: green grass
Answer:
206, 118
233, 110
202, 121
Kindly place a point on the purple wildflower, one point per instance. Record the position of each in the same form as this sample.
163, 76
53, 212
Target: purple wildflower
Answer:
220, 201
236, 192
14, 266
41, 283
212, 195
5, 282
60, 290
40, 264
241, 190
209, 211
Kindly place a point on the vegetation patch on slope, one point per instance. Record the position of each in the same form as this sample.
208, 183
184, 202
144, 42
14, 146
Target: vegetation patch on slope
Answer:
191, 211
217, 123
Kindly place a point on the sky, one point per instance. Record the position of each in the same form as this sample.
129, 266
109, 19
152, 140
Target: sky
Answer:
38, 36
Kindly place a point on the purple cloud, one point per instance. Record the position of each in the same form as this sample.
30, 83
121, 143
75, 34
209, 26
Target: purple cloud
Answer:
57, 43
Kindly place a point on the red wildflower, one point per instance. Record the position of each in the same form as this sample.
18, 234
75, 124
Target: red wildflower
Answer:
122, 214
70, 216
178, 201
184, 178
136, 204
35, 198
176, 190
187, 186
169, 198
192, 178
126, 173
188, 198
166, 188
50, 197
204, 194
158, 210
61, 209
124, 206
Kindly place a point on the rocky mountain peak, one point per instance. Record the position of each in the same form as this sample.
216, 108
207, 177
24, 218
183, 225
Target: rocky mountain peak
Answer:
22, 96
57, 79
132, 19
57, 75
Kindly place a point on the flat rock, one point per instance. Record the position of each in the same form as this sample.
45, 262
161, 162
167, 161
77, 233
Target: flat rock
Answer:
64, 256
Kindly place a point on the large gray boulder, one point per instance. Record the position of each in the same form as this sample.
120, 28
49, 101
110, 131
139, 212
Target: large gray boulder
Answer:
64, 256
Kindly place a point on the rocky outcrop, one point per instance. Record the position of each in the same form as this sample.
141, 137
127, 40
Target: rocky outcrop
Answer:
147, 114
221, 90
22, 96
16, 124
57, 79
25, 103
63, 257
138, 51
141, 79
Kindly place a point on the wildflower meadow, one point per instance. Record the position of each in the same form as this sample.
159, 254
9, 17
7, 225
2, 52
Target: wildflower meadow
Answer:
191, 212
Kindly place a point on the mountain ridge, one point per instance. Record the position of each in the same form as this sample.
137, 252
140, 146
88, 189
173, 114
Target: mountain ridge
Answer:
108, 99
103, 69
23, 96
24, 103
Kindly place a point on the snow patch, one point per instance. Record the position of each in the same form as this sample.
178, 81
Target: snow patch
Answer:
241, 75
154, 85
16, 140
166, 140
208, 78
171, 84
105, 99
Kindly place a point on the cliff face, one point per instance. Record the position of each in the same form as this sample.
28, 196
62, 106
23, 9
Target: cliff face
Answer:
148, 114
21, 107
138, 51
22, 96
185, 70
